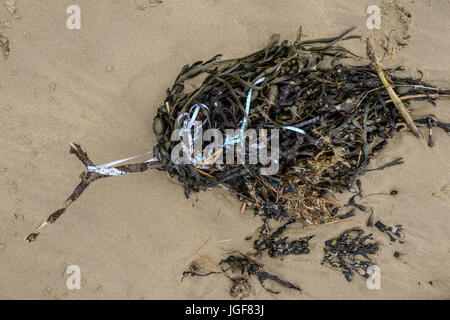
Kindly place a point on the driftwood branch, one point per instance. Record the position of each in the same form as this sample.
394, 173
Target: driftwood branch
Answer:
384, 77
86, 179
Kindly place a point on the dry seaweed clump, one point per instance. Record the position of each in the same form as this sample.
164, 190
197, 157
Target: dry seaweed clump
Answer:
247, 267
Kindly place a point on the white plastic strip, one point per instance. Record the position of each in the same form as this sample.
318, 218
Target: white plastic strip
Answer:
108, 171
303, 132
114, 163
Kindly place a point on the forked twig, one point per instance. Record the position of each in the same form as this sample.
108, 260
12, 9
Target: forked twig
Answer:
87, 178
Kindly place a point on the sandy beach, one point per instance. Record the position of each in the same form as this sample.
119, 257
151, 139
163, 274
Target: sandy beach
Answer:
133, 236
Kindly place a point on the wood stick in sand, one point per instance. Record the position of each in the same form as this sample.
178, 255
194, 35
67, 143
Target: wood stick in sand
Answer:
86, 179
389, 88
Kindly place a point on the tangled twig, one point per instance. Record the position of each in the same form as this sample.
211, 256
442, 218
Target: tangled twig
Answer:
87, 178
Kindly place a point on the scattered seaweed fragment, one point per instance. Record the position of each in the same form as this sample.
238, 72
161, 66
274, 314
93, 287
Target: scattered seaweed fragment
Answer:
201, 268
352, 202
188, 273
369, 222
434, 123
350, 253
431, 122
349, 214
278, 245
247, 267
393, 192
395, 162
296, 247
395, 233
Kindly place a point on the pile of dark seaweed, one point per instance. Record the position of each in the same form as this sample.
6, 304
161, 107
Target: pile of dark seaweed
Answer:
350, 253
345, 111
332, 118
